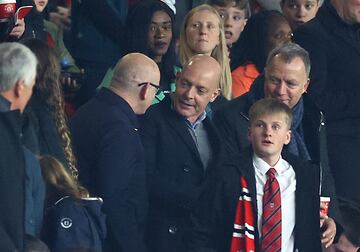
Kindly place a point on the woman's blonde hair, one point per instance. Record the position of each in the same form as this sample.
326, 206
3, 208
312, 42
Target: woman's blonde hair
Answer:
220, 52
58, 181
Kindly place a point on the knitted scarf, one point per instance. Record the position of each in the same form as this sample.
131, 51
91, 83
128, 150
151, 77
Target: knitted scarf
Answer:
243, 239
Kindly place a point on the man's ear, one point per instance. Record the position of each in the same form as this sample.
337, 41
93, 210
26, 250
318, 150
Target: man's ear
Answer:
19, 88
306, 85
216, 93
143, 92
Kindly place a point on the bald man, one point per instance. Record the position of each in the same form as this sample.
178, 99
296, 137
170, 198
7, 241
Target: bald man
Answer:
181, 148
110, 154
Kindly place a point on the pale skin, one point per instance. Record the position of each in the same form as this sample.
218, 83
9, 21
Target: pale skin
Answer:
19, 95
203, 32
268, 134
196, 86
131, 70
298, 12
234, 22
18, 30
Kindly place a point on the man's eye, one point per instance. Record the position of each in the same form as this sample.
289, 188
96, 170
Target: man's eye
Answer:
293, 6
291, 84
222, 15
274, 81
201, 91
152, 28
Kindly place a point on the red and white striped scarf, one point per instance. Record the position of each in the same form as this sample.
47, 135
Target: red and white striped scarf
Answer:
243, 239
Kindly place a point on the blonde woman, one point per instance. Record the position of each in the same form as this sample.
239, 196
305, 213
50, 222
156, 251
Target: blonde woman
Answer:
203, 33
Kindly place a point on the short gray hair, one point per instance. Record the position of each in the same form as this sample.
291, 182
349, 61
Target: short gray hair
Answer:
290, 51
17, 62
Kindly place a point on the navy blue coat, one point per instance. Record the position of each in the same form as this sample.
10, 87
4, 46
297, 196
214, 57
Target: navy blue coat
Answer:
112, 166
334, 49
175, 174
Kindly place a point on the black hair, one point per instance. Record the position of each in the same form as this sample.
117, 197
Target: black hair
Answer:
250, 48
136, 36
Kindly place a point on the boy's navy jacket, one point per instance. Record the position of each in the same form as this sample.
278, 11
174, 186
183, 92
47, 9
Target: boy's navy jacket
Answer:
72, 223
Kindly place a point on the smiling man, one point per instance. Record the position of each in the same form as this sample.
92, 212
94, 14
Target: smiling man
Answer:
181, 148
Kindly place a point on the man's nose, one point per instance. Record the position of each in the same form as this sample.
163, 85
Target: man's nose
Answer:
281, 88
190, 92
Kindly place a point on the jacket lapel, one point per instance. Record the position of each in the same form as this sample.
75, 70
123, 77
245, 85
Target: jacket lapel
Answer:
178, 124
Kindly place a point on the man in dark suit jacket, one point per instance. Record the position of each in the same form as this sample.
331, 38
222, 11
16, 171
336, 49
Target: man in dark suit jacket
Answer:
231, 209
109, 150
181, 146
285, 79
332, 39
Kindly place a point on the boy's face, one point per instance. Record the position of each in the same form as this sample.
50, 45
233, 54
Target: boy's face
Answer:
268, 134
40, 5
234, 22
298, 12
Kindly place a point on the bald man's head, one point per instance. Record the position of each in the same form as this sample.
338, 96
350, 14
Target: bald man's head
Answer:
134, 68
196, 86
206, 66
135, 79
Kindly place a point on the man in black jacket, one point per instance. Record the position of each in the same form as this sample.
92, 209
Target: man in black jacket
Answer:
181, 148
285, 79
332, 39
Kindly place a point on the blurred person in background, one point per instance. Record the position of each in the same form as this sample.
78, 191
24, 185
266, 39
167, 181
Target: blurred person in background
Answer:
264, 31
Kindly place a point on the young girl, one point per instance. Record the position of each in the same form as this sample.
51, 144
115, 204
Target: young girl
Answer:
71, 219
203, 33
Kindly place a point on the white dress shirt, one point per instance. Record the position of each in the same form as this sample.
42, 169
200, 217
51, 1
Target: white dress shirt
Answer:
285, 175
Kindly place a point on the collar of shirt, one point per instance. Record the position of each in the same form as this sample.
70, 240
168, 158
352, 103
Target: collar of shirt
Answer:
4, 104
188, 123
197, 122
263, 167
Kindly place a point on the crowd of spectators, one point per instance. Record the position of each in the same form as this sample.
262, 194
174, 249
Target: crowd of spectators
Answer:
173, 125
